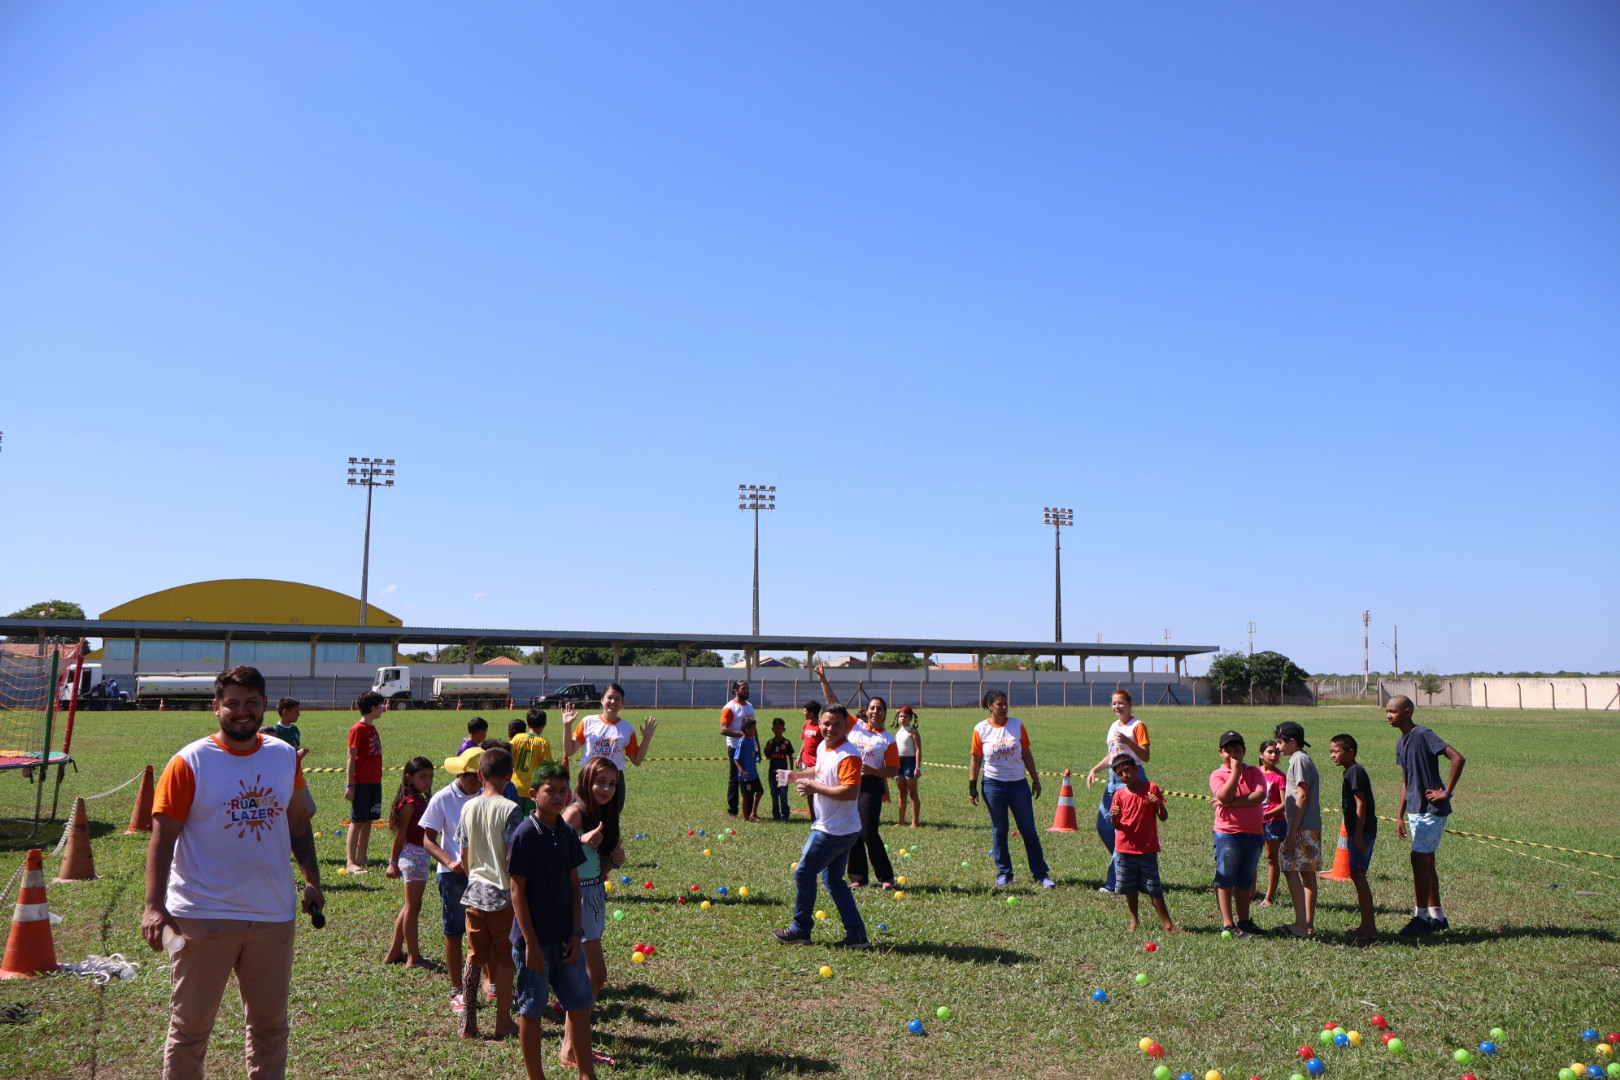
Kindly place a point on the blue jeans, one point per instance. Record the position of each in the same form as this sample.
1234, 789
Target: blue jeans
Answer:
1105, 821
827, 855
1000, 796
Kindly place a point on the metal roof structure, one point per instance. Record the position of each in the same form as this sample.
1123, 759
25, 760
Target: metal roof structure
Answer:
145, 630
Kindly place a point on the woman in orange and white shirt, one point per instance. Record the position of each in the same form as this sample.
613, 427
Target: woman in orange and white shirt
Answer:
1000, 751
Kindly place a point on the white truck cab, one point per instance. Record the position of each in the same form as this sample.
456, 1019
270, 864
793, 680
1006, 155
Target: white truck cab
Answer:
393, 681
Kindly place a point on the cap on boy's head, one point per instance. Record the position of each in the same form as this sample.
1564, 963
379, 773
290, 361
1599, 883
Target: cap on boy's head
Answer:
464, 764
1290, 730
1121, 759
1232, 737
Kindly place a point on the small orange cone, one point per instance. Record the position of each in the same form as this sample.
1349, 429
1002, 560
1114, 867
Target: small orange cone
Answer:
1065, 820
163, 704
29, 950
77, 862
1341, 857
141, 819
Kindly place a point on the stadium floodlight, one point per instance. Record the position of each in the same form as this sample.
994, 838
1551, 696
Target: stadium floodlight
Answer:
1058, 517
756, 497
369, 473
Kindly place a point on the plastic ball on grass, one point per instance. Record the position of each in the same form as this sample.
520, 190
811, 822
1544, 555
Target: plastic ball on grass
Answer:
618, 916
1613, 1068
1341, 1038
1378, 1021
1184, 1076
1099, 995
1566, 1074
915, 1027
1498, 1034
1325, 1039
1151, 946
1144, 1044
1226, 933
1385, 1038
680, 899
1612, 1038
722, 890
943, 1012
625, 880
1487, 1047
1162, 1073
1595, 1072
899, 894
826, 972
964, 862
1396, 1046
1315, 1067
1141, 978
743, 892
317, 835
1306, 1053
701, 832
1012, 901
1214, 1074
1461, 1057
646, 884
900, 880
821, 915
1603, 1049
691, 832
707, 853
705, 905
883, 928
1590, 1035
1297, 1076
1155, 1051
638, 958
1353, 1037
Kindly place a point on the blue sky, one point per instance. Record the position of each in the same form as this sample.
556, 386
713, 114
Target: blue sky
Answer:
1305, 309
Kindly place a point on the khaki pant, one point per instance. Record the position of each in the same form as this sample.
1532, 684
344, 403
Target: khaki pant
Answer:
261, 954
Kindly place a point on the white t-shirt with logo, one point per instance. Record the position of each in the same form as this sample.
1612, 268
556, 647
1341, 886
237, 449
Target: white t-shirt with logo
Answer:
1002, 748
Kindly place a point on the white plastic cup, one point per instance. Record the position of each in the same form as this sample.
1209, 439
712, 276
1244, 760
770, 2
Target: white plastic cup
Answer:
782, 777
172, 941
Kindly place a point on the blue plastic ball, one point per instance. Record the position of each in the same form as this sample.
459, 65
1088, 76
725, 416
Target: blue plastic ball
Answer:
1589, 1035
1100, 995
915, 1027
721, 890
625, 880
1487, 1048
1594, 1071
883, 928
1315, 1067
1341, 1039
700, 832
1185, 1076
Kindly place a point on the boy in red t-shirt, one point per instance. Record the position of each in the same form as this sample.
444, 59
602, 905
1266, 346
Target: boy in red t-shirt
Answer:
364, 790
1135, 813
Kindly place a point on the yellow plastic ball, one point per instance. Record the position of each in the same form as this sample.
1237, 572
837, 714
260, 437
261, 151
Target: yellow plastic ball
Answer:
1213, 1074
826, 972
899, 894
899, 881
821, 914
902, 851
317, 834
793, 866
1355, 1038
1603, 1049
638, 958
343, 869
743, 891
707, 853
704, 905
607, 886
1144, 1044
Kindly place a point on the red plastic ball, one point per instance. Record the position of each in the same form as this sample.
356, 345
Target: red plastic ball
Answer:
1306, 1053
691, 832
646, 885
650, 950
641, 946
1155, 1050
680, 899
1385, 1037
1378, 1021
1469, 1076
695, 889
1613, 1038
1330, 1025
1150, 947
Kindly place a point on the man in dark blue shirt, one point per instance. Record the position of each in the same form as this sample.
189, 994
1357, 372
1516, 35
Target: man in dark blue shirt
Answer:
1427, 805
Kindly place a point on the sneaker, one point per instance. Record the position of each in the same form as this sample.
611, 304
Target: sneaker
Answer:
848, 944
1003, 880
1048, 883
1442, 923
1237, 931
1248, 925
455, 1001
1105, 890
1417, 927
788, 937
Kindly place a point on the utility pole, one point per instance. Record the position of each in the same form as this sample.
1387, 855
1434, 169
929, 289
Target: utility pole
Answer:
1366, 665
1251, 637
756, 497
369, 473
1396, 649
1057, 517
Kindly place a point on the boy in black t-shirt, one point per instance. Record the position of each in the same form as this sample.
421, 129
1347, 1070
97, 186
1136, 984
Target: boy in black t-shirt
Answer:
1361, 823
546, 936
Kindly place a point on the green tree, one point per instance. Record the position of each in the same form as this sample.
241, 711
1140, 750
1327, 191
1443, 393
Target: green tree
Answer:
905, 659
1229, 672
1005, 662
705, 658
457, 654
47, 609
575, 656
1429, 683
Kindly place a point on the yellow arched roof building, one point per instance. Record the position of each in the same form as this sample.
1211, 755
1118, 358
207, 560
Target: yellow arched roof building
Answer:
251, 600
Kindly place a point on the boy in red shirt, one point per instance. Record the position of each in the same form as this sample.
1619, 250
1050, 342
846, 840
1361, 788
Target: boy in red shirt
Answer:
364, 790
1135, 813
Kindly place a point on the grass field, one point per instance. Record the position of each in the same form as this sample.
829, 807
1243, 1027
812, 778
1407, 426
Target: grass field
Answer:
1533, 948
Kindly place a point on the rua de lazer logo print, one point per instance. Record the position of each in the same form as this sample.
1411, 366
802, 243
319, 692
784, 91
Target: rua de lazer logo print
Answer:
255, 810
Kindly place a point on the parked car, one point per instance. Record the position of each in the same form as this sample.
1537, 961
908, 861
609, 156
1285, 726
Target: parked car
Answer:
575, 693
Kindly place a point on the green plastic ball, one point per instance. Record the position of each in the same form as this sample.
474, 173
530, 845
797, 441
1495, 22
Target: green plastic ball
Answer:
1566, 1074
618, 916
1396, 1046
1162, 1073
1613, 1068
1325, 1039
1226, 933
943, 1012
1498, 1034
1141, 979
1461, 1057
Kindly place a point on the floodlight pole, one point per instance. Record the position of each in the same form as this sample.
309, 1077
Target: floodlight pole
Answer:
1057, 517
368, 473
756, 497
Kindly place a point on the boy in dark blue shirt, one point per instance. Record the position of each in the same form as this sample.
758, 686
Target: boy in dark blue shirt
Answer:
546, 936
745, 759
1428, 806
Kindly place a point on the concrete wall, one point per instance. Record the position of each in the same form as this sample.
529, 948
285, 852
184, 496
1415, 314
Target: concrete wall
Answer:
1509, 693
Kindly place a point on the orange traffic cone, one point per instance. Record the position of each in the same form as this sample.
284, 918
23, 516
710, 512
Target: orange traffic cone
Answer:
1065, 820
77, 862
163, 704
141, 819
29, 951
1341, 857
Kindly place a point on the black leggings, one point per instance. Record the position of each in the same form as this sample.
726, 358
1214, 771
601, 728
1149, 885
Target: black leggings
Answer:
870, 844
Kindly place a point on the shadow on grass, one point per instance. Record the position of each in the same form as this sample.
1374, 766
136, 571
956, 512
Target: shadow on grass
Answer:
626, 1002
702, 1057
961, 954
1474, 935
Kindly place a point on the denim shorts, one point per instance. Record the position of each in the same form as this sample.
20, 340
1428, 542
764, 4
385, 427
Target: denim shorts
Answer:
593, 908
1275, 828
1358, 860
1137, 873
908, 768
451, 886
570, 982
1237, 857
1426, 830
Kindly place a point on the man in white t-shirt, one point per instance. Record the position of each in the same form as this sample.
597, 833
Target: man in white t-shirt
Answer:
228, 815
733, 716
835, 781
439, 823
